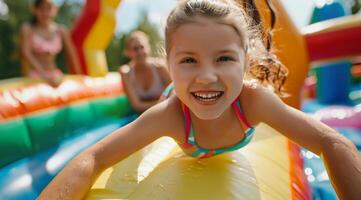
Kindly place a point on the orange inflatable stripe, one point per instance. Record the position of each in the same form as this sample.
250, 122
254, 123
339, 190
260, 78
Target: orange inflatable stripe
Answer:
299, 185
15, 102
290, 47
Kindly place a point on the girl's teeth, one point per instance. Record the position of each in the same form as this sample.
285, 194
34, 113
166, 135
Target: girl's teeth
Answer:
207, 96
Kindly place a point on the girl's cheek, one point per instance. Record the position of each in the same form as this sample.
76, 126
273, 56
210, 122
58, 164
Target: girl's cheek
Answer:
183, 73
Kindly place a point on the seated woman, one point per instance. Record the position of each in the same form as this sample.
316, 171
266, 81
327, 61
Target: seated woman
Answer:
144, 78
41, 40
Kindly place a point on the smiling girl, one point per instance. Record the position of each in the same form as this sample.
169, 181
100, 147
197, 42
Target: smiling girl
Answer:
218, 66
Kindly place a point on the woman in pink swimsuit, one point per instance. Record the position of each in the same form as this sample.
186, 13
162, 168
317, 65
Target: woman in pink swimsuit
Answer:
41, 41
144, 78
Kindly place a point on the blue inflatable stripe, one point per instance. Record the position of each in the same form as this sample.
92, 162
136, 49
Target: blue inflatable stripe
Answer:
26, 178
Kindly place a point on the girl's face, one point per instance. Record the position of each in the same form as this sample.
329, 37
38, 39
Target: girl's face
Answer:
45, 12
207, 64
138, 49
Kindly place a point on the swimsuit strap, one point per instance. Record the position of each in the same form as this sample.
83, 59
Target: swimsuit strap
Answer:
168, 90
187, 125
240, 115
236, 105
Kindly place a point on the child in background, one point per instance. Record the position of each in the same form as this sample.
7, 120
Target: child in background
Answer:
143, 78
42, 40
218, 65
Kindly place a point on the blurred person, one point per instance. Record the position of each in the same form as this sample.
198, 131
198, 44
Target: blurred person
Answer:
144, 78
42, 40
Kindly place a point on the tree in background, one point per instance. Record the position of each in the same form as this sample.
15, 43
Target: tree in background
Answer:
115, 50
10, 22
68, 12
356, 6
18, 12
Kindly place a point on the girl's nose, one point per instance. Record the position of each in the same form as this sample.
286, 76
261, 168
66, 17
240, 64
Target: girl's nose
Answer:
207, 75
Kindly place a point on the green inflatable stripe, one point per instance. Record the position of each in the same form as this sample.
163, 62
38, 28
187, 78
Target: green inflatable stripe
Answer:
22, 137
124, 105
14, 141
80, 116
111, 107
47, 129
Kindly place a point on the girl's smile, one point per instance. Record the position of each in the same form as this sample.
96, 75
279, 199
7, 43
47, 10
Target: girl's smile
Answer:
207, 97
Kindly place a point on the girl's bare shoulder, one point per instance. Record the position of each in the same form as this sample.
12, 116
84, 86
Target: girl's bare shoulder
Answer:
167, 116
254, 98
255, 92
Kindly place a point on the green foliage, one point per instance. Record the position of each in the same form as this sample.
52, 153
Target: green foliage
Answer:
356, 6
9, 40
67, 14
115, 50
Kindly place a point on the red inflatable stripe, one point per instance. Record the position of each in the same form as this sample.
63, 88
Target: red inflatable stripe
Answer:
346, 42
82, 28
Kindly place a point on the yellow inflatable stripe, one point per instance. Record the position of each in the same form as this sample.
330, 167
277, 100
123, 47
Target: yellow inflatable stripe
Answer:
99, 37
270, 165
162, 171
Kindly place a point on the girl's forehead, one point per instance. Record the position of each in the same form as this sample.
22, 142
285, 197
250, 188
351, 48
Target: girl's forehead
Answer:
205, 35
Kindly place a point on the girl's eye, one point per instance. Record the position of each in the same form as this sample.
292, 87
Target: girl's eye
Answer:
225, 59
188, 60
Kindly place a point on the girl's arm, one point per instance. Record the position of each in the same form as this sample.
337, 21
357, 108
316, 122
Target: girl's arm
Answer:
341, 158
138, 105
74, 181
25, 48
70, 48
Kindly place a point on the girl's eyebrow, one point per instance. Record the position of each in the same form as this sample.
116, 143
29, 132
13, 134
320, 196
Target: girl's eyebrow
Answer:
227, 51
185, 52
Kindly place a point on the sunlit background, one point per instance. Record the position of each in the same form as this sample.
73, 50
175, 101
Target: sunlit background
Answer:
148, 16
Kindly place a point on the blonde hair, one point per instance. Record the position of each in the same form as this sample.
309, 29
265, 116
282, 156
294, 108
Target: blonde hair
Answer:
136, 35
264, 65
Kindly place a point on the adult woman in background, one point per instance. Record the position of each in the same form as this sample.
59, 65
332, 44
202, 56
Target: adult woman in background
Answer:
42, 40
144, 78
